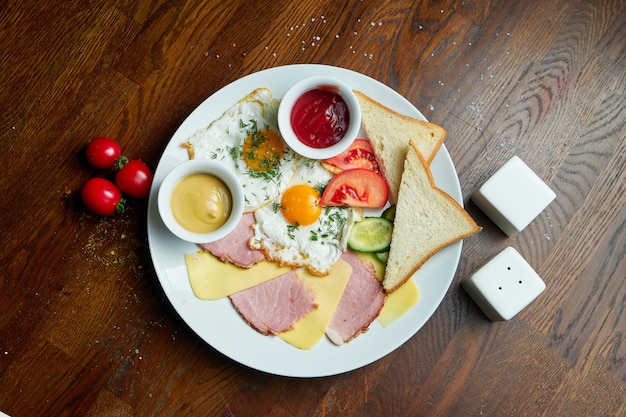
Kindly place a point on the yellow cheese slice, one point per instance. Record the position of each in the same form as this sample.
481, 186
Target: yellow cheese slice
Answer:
211, 278
398, 302
379, 267
328, 290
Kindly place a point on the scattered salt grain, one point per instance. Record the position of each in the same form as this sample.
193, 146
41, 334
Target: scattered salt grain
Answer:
475, 106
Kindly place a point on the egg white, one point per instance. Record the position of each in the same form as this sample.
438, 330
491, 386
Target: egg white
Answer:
223, 141
316, 247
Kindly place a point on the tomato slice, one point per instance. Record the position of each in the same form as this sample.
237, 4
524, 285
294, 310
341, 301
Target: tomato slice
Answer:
358, 187
359, 155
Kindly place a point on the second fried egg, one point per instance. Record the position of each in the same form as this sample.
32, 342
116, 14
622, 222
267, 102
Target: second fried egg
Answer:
246, 140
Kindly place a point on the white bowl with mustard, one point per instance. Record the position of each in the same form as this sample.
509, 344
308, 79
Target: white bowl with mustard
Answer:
200, 201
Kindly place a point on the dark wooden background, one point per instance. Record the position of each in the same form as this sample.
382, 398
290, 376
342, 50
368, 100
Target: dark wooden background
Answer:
85, 329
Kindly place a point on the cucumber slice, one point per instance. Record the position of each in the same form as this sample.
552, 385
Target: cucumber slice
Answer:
382, 256
372, 234
390, 213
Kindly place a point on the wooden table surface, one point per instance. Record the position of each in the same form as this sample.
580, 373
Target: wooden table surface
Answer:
86, 328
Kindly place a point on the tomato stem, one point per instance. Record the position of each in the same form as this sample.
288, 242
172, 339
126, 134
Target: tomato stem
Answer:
120, 207
121, 162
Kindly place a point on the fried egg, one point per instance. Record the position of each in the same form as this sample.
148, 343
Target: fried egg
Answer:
280, 187
295, 230
246, 139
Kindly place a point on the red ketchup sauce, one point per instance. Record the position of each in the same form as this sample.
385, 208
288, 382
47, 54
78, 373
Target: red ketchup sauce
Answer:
320, 117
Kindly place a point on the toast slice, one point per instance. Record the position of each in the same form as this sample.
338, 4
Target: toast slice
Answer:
390, 132
427, 220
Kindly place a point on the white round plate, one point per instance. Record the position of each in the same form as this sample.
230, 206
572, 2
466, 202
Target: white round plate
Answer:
218, 323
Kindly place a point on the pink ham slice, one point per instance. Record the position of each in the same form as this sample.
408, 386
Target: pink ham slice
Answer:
276, 305
360, 303
234, 247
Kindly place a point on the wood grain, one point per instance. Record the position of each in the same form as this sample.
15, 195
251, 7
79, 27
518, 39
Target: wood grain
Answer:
85, 328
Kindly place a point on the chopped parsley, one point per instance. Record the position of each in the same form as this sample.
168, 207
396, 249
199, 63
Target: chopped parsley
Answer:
291, 229
332, 225
276, 206
320, 187
259, 152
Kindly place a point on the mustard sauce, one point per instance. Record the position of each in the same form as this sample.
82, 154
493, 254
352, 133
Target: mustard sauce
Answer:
201, 203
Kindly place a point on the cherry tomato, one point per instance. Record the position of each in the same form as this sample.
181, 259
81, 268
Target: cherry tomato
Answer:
359, 155
358, 187
102, 152
102, 197
133, 177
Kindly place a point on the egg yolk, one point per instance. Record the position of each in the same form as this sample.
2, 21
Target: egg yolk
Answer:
263, 149
300, 205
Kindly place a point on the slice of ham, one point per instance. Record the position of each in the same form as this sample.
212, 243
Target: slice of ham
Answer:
276, 305
360, 302
233, 248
